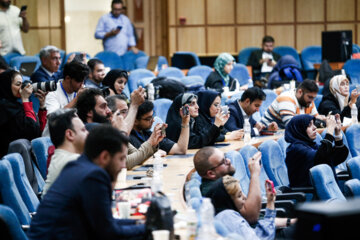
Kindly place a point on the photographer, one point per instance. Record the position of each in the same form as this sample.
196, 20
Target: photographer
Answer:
18, 120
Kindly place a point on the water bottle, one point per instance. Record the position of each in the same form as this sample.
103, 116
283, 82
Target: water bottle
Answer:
191, 224
158, 163
157, 180
354, 114
150, 92
247, 131
207, 229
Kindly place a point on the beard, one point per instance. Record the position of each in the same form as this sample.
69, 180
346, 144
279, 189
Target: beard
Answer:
231, 171
302, 102
99, 118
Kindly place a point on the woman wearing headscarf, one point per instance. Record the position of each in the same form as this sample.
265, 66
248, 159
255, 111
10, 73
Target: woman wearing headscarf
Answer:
337, 100
303, 152
18, 120
220, 78
116, 80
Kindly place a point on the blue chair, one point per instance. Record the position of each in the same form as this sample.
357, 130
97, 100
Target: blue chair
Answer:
191, 80
241, 170
324, 183
352, 188
17, 61
40, 148
353, 167
10, 56
144, 81
355, 48
318, 99
220, 228
161, 107
270, 97
247, 152
136, 75
245, 53
352, 68
201, 70
234, 97
309, 56
69, 54
12, 223
195, 192
171, 72
241, 73
110, 59
129, 59
352, 134
185, 60
10, 194
287, 50
283, 144
142, 62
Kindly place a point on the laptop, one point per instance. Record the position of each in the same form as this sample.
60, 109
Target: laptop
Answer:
27, 68
152, 63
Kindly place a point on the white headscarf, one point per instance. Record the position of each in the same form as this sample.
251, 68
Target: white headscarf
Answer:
335, 90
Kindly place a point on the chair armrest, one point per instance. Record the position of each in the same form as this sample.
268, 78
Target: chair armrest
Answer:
287, 205
297, 196
25, 227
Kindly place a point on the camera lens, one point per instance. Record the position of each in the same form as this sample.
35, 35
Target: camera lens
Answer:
45, 86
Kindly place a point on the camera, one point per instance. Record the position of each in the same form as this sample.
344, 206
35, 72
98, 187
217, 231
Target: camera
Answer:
152, 92
47, 86
185, 110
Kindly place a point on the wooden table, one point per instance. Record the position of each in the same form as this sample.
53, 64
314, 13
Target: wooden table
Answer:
333, 65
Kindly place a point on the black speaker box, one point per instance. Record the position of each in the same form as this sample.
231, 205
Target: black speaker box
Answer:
336, 45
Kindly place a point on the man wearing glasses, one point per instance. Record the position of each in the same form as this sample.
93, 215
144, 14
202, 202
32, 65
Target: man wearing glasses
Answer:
141, 130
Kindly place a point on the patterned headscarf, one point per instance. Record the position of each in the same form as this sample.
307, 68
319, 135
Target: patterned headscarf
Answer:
335, 90
219, 65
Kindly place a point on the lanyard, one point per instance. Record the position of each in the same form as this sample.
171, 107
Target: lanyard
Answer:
67, 97
141, 136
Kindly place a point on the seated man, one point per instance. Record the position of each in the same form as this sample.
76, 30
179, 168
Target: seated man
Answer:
291, 103
50, 63
141, 130
97, 74
244, 108
68, 134
78, 204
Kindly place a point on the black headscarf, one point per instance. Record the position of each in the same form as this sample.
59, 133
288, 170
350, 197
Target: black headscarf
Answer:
295, 130
5, 85
111, 77
205, 99
220, 197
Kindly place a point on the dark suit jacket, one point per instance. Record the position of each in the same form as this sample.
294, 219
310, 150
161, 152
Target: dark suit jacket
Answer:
254, 61
236, 120
78, 206
41, 76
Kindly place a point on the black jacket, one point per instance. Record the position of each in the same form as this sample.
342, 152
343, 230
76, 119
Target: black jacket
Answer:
214, 81
254, 60
330, 103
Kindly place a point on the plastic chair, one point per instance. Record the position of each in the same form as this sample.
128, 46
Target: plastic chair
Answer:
142, 62
234, 97
287, 50
241, 170
191, 80
245, 53
220, 228
144, 81
110, 59
355, 48
353, 167
352, 188
22, 183
10, 194
202, 70
136, 75
283, 144
16, 62
171, 72
129, 59
161, 107
270, 97
185, 60
10, 56
40, 148
318, 99
309, 56
323, 180
8, 216
352, 134
240, 73
352, 68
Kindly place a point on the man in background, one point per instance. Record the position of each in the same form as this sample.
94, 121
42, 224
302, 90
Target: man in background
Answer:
97, 74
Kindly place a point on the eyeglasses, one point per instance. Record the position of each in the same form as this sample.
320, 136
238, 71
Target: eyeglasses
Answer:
221, 163
149, 119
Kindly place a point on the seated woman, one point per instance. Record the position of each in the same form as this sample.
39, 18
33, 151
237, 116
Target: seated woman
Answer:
303, 153
220, 78
116, 80
18, 120
337, 100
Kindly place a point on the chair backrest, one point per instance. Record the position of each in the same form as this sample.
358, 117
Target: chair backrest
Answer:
241, 170
16, 62
185, 60
355, 48
10, 194
245, 53
352, 68
110, 59
234, 97
40, 148
136, 75
13, 225
353, 167
201, 70
324, 183
352, 188
11, 55
270, 97
142, 62
287, 50
283, 144
352, 133
241, 73
22, 183
161, 107
171, 72
144, 81
191, 80
309, 56
318, 99
129, 59
273, 161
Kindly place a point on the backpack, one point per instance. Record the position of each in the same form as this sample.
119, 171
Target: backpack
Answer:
168, 87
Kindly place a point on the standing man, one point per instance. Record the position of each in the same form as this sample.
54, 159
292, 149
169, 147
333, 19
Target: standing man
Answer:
116, 31
12, 20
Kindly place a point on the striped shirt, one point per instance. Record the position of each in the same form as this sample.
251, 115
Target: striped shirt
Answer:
284, 107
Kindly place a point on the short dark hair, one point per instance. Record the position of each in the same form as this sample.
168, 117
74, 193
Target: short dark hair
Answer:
76, 70
86, 102
253, 94
116, 2
59, 121
104, 138
111, 101
93, 62
201, 160
308, 86
268, 39
144, 108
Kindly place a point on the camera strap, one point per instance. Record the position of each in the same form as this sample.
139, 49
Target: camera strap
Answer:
66, 95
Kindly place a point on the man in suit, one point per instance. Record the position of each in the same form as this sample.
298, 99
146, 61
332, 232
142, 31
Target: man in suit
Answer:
244, 108
263, 61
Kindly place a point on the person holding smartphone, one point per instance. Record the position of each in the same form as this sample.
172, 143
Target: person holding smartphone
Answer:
12, 21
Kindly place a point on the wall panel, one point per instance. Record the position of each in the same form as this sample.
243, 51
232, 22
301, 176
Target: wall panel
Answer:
35, 39
193, 11
340, 10
342, 26
283, 34
280, 11
249, 36
307, 35
191, 39
250, 11
172, 40
221, 39
225, 16
310, 10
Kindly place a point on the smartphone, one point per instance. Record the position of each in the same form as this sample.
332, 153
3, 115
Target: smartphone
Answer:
23, 8
185, 110
225, 110
358, 89
119, 27
163, 130
270, 185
